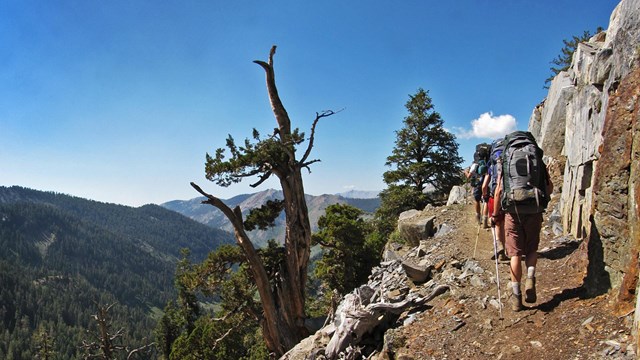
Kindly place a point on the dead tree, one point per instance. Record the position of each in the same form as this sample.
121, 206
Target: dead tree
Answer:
108, 343
283, 298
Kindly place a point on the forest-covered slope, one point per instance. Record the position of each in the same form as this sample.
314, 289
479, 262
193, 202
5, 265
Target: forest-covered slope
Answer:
60, 256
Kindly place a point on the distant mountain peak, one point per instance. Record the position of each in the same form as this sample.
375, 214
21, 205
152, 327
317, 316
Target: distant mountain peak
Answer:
366, 201
360, 194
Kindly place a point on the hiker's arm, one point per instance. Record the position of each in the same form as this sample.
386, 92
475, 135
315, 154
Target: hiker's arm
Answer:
472, 170
496, 196
485, 186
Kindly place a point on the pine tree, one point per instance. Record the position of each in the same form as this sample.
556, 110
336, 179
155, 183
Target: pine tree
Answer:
563, 61
347, 258
425, 163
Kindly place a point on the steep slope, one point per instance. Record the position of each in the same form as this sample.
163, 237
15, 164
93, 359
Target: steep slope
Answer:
149, 225
566, 322
62, 255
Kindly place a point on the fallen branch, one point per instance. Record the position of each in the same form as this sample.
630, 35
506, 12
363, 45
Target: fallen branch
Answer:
356, 320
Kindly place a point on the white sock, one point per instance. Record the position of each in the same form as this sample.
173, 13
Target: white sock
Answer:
515, 286
531, 272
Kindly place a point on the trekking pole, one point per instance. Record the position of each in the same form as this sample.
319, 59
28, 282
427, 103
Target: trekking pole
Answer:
495, 253
476, 246
478, 232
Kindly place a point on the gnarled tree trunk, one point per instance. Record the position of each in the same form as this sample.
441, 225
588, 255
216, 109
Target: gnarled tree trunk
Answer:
283, 298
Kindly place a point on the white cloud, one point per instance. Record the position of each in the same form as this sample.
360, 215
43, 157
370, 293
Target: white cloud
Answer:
488, 126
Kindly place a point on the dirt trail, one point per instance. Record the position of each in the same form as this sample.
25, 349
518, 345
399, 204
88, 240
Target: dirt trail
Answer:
565, 323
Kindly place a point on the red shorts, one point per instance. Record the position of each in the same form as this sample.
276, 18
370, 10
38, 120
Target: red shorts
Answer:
499, 215
522, 233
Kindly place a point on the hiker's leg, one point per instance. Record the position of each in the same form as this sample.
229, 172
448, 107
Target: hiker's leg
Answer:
515, 299
531, 260
516, 269
477, 196
514, 245
532, 227
499, 223
513, 235
532, 224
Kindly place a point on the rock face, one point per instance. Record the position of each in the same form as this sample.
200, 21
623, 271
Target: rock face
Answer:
615, 190
589, 122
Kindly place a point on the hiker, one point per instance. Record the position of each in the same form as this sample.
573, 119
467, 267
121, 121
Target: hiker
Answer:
477, 174
477, 193
523, 189
495, 213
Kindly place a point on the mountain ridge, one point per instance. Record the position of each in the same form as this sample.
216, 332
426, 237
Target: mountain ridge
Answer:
211, 216
63, 256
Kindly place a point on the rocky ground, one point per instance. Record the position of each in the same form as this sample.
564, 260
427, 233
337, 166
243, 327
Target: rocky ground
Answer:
464, 323
437, 299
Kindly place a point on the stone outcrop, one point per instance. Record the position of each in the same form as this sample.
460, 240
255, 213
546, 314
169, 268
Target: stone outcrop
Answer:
398, 285
589, 122
413, 226
615, 195
457, 195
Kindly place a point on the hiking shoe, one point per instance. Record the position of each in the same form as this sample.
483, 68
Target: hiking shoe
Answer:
478, 219
502, 256
515, 301
530, 290
485, 222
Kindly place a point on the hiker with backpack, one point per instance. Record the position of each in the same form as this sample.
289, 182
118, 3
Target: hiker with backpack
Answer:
477, 174
495, 213
524, 189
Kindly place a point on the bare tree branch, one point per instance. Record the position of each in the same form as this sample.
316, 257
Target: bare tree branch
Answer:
255, 264
284, 123
326, 244
231, 329
137, 350
262, 179
212, 200
306, 165
325, 113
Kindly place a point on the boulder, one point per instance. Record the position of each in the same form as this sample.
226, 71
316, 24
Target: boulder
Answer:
457, 195
408, 214
417, 273
416, 228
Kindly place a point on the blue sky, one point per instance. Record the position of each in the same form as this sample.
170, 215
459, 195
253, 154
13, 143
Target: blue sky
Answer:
119, 101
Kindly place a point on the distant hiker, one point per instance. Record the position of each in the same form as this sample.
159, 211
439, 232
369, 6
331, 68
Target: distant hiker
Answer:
523, 188
477, 174
489, 187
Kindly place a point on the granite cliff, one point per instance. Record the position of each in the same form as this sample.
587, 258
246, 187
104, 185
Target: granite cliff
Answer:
589, 128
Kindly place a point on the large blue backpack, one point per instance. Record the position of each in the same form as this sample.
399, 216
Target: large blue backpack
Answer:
481, 157
524, 175
497, 147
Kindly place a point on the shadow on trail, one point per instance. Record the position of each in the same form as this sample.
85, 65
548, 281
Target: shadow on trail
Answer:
564, 250
595, 283
566, 294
